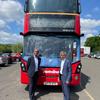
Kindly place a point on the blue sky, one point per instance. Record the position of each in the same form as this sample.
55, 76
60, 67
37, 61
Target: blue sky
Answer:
90, 7
90, 18
11, 19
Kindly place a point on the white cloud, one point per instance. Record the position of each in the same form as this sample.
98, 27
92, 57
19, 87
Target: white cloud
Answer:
11, 10
89, 35
89, 23
9, 38
88, 16
88, 27
83, 39
2, 24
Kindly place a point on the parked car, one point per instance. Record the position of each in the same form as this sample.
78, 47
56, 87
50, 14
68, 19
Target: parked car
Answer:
8, 56
97, 56
16, 56
92, 55
3, 59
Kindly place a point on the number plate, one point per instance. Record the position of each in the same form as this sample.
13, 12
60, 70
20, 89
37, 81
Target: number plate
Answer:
50, 83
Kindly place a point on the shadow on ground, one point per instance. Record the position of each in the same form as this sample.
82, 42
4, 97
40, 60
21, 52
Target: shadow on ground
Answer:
44, 90
84, 81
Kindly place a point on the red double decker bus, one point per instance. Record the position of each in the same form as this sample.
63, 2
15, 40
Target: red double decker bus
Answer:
52, 26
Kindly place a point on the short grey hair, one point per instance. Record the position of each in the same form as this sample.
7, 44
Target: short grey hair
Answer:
63, 52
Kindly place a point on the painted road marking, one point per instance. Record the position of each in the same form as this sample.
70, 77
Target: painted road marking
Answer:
88, 94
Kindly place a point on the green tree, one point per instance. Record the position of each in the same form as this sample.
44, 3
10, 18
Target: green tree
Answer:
5, 47
11, 47
1, 48
94, 43
17, 47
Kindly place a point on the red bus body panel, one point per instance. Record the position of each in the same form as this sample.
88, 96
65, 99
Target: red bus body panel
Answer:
77, 25
50, 76
26, 24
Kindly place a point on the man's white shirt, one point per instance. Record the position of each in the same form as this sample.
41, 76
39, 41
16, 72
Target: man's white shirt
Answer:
36, 63
62, 65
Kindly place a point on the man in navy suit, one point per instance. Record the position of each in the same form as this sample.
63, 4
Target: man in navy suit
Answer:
65, 74
33, 65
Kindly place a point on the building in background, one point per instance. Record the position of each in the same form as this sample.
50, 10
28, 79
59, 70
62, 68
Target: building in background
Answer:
85, 51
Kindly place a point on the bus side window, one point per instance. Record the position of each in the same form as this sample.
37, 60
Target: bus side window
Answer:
76, 51
26, 6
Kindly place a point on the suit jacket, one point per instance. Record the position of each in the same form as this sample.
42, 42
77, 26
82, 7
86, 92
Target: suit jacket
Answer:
67, 71
31, 66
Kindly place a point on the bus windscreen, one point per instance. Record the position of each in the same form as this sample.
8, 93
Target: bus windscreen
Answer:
49, 47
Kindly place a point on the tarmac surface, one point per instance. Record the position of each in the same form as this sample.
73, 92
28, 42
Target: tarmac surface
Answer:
12, 89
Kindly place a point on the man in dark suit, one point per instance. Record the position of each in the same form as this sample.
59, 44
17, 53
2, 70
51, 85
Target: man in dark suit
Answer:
65, 74
33, 65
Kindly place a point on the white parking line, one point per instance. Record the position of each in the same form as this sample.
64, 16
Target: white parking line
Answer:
88, 94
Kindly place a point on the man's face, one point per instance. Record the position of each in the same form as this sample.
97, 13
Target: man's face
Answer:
36, 52
62, 56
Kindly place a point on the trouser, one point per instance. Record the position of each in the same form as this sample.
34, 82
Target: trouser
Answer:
65, 88
32, 85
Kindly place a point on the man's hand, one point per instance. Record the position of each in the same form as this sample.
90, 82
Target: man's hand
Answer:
67, 82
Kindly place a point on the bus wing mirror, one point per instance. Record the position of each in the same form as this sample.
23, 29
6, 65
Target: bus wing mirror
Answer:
21, 33
82, 35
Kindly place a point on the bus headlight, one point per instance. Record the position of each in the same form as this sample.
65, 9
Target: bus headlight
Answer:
23, 67
79, 66
78, 70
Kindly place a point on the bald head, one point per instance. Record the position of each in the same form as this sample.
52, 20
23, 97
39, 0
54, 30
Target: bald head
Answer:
63, 55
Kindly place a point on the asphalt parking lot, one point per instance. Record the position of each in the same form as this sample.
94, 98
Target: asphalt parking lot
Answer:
12, 89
